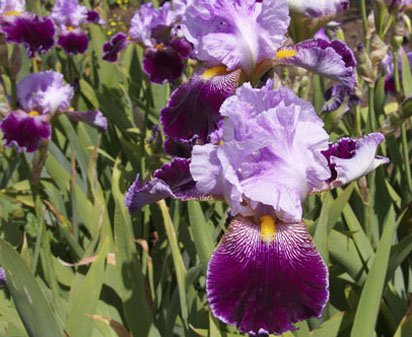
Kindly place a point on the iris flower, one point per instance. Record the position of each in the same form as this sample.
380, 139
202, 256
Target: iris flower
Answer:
41, 97
18, 26
272, 151
158, 32
69, 16
2, 278
318, 8
237, 41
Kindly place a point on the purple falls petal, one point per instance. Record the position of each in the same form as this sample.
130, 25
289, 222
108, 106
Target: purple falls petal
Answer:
24, 131
162, 65
350, 159
317, 8
193, 108
171, 180
338, 95
332, 59
73, 41
93, 117
266, 286
2, 278
178, 148
93, 17
34, 32
114, 46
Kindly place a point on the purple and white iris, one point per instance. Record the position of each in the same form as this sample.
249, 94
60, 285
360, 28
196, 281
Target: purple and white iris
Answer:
271, 152
388, 68
18, 26
158, 32
317, 8
68, 16
40, 97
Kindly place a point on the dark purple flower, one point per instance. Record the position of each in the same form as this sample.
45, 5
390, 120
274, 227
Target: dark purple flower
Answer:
178, 148
93, 17
24, 130
2, 278
193, 109
162, 64
264, 276
114, 46
337, 96
34, 32
73, 40
171, 180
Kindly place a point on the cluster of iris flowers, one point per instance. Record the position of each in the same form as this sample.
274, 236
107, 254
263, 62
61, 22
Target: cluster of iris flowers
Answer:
40, 34
230, 133
233, 136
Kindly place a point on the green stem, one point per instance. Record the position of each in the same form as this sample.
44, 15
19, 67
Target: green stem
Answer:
362, 6
371, 108
406, 158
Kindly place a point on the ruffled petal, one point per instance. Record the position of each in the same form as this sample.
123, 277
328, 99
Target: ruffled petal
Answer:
178, 148
236, 33
193, 108
114, 46
162, 65
265, 279
45, 92
317, 8
25, 131
93, 117
73, 41
69, 13
331, 59
34, 32
8, 6
171, 180
351, 159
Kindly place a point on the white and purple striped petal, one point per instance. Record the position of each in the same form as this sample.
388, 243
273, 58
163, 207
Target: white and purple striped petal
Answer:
171, 180
350, 159
44, 92
24, 130
236, 33
263, 280
332, 59
93, 118
69, 13
317, 8
9, 6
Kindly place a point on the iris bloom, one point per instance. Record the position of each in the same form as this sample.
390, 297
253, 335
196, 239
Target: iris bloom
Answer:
388, 68
318, 8
237, 41
265, 275
41, 97
69, 16
158, 32
18, 26
2, 278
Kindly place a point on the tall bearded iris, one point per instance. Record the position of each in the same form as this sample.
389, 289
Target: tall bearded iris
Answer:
236, 41
157, 31
18, 26
271, 152
41, 97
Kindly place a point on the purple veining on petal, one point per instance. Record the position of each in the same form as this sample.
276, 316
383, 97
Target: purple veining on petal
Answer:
162, 64
338, 95
73, 41
266, 286
350, 159
270, 153
3, 278
69, 13
317, 8
193, 108
331, 59
236, 33
44, 92
24, 131
114, 46
34, 32
171, 180
92, 117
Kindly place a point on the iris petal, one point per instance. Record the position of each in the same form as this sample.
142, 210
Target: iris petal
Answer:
73, 41
266, 286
